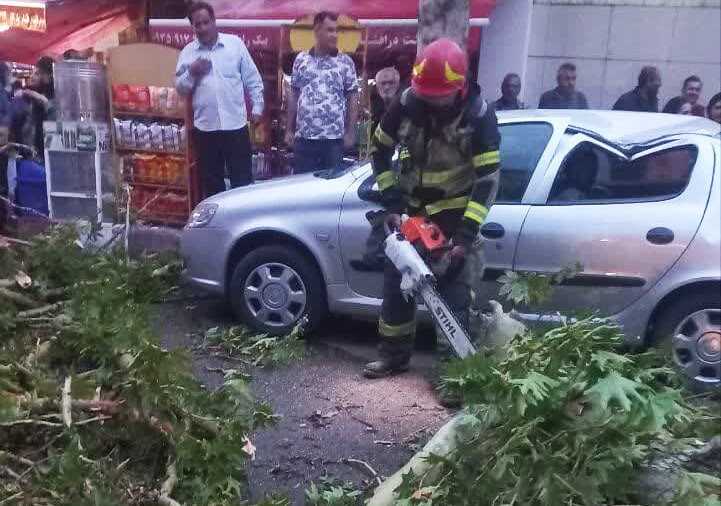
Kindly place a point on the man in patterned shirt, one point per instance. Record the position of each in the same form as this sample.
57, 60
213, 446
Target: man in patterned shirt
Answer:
323, 103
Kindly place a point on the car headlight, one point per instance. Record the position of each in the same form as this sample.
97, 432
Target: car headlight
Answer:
201, 215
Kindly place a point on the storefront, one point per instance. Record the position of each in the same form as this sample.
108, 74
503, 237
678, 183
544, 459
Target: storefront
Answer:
30, 29
387, 37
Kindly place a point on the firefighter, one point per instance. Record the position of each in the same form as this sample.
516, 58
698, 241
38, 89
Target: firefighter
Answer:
448, 143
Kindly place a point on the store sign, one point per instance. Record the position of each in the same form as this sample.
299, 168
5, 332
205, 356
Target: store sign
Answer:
255, 38
403, 38
22, 16
393, 38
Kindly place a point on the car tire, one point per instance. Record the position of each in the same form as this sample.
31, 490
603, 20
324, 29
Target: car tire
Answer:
274, 286
677, 334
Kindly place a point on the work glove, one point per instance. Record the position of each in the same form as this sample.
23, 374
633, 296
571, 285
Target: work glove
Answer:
392, 223
456, 260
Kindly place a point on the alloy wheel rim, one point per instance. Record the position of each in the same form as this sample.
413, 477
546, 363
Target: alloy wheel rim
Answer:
696, 346
275, 295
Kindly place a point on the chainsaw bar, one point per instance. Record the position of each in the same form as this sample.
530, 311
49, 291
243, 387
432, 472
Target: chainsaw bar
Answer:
446, 321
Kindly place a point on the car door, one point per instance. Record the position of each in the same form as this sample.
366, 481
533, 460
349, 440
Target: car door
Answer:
360, 198
625, 219
526, 148
525, 145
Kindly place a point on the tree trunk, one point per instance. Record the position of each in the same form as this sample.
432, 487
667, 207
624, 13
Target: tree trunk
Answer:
442, 19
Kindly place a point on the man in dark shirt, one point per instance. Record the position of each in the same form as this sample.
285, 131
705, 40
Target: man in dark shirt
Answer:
510, 89
644, 97
564, 96
388, 82
690, 92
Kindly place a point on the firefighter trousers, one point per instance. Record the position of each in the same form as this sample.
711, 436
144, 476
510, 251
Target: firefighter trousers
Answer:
397, 325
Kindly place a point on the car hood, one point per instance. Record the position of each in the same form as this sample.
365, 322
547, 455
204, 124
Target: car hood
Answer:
277, 193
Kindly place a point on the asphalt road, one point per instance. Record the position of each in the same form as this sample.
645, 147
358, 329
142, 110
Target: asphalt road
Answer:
328, 412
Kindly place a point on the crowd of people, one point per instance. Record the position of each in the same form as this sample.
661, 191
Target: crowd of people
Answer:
322, 105
643, 98
22, 113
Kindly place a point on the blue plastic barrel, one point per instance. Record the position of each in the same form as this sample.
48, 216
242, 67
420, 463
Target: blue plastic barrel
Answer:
31, 190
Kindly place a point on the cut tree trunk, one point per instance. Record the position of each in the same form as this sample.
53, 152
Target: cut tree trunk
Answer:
439, 19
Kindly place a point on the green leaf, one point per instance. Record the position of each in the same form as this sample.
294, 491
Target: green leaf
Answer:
698, 489
615, 387
536, 384
606, 360
660, 410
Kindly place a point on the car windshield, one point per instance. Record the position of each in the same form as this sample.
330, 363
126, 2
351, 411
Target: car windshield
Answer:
346, 166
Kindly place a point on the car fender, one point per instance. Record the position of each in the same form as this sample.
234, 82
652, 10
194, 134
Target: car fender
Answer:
320, 242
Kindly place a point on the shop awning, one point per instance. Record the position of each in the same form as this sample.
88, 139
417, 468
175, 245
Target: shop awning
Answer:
392, 25
70, 24
367, 9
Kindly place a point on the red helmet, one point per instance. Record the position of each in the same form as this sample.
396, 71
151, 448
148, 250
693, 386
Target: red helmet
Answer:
440, 69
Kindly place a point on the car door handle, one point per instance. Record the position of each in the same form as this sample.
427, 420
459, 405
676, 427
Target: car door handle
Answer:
660, 235
493, 231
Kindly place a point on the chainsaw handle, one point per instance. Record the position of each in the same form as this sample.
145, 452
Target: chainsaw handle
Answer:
392, 224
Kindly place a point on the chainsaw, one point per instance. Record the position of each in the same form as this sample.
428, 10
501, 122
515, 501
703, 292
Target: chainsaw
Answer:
418, 238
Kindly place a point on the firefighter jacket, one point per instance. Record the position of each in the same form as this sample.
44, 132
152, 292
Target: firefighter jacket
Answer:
448, 159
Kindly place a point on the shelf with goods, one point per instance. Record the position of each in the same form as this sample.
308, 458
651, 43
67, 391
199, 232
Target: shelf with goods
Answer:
153, 157
262, 135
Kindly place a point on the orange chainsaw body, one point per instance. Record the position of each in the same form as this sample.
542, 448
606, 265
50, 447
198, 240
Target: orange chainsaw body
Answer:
424, 235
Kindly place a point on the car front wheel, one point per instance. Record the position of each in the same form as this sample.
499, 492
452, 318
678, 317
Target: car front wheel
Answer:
273, 287
691, 330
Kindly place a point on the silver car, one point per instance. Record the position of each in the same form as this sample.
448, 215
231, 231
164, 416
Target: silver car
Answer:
633, 197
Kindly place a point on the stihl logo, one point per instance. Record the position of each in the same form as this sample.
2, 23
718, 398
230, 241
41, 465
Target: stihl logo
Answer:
445, 321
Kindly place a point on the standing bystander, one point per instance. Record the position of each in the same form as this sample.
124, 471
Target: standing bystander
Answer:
388, 83
323, 103
713, 109
565, 95
32, 106
214, 70
681, 106
5, 122
644, 97
510, 89
690, 93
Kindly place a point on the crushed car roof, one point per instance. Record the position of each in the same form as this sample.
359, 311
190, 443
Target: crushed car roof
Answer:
621, 127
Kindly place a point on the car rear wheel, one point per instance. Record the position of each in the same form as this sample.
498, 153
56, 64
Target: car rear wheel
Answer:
690, 331
273, 287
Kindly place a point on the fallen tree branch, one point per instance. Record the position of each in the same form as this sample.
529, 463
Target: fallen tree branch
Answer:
6, 471
373, 472
15, 458
168, 485
231, 359
19, 298
67, 402
32, 313
51, 293
15, 241
91, 420
11, 498
43, 404
30, 422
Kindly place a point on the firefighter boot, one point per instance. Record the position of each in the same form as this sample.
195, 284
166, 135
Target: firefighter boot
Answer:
448, 396
394, 356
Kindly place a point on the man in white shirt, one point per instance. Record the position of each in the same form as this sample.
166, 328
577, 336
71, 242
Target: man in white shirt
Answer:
214, 70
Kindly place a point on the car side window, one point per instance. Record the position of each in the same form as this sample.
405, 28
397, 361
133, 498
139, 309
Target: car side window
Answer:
522, 145
591, 174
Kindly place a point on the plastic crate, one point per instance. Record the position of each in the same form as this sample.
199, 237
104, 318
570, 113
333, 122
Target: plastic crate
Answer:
72, 172
31, 190
73, 208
